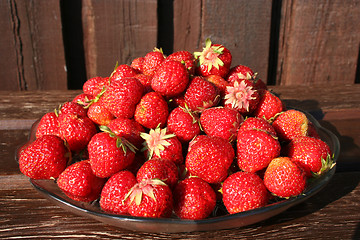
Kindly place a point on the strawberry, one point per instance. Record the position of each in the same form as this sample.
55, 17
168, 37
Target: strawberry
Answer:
170, 79
145, 81
94, 86
128, 129
177, 101
160, 144
183, 123
121, 97
152, 111
194, 199
74, 108
114, 192
150, 198
161, 169
109, 154
255, 150
239, 73
243, 191
137, 64
284, 178
312, 131
45, 158
241, 96
152, 61
221, 122
76, 130
219, 82
48, 125
312, 154
290, 124
99, 114
257, 123
185, 58
215, 59
201, 94
122, 71
83, 99
210, 158
268, 106
79, 182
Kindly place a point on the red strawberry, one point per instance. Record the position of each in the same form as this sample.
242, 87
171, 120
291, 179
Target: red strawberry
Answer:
201, 94
160, 144
76, 131
219, 82
221, 122
259, 84
239, 73
150, 198
114, 192
78, 182
109, 154
145, 81
48, 125
210, 158
74, 108
178, 101
291, 124
95, 85
152, 111
312, 154
268, 106
193, 199
99, 114
137, 63
255, 150
170, 79
152, 61
123, 71
121, 97
284, 178
183, 123
45, 158
185, 58
312, 131
243, 191
242, 96
215, 59
257, 123
128, 129
161, 169
83, 99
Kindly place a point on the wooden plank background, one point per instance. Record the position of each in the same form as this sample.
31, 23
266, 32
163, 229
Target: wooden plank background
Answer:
54, 44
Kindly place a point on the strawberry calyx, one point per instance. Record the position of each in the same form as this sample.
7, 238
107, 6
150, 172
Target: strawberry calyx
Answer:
248, 76
87, 104
239, 95
146, 186
155, 141
120, 141
187, 110
326, 165
210, 55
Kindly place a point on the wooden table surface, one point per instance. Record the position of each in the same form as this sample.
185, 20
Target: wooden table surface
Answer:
332, 213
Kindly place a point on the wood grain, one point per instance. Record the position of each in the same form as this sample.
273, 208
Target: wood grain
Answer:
33, 43
187, 25
117, 31
241, 26
317, 43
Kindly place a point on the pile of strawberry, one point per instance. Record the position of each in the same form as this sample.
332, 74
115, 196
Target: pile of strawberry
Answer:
176, 135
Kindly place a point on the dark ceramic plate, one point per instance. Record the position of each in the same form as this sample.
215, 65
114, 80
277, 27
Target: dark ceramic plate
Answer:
219, 220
